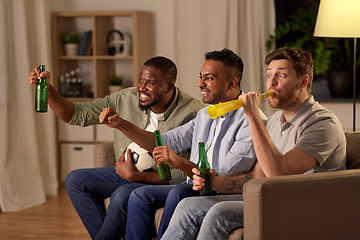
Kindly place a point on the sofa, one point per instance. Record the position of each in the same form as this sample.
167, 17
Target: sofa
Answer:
303, 206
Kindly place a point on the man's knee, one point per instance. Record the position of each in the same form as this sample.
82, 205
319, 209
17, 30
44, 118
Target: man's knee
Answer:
218, 209
73, 178
221, 219
225, 209
189, 204
121, 195
188, 210
139, 195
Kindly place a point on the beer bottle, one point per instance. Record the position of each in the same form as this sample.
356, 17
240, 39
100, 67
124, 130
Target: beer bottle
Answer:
41, 93
204, 167
164, 172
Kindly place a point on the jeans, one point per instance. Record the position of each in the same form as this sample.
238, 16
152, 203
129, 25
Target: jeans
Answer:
144, 202
215, 216
87, 189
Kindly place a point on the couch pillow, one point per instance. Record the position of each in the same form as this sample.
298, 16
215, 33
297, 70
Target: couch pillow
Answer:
352, 150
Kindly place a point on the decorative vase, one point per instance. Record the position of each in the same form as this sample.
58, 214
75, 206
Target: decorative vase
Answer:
115, 88
71, 49
340, 84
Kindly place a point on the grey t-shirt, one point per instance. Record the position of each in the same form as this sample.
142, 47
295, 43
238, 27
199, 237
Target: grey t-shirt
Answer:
313, 129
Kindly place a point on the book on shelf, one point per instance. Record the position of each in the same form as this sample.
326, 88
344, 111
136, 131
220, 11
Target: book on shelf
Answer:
82, 43
89, 51
87, 43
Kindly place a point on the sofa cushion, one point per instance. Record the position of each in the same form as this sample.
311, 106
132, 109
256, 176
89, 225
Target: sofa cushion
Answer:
104, 155
157, 219
237, 234
352, 150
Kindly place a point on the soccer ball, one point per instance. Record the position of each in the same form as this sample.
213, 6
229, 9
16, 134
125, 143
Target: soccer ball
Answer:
141, 158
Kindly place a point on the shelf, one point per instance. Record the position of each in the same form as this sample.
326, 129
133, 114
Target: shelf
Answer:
136, 26
108, 57
75, 57
102, 57
97, 68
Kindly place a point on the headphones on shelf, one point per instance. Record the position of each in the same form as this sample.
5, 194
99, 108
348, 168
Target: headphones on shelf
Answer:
112, 48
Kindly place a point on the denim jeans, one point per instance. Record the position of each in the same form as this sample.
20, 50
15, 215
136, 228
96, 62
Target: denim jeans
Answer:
213, 217
144, 202
87, 189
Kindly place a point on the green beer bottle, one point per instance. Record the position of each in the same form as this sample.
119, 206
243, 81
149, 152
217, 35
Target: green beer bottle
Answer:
204, 167
164, 169
41, 93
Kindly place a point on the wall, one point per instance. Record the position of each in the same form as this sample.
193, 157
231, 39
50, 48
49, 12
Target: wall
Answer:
344, 111
163, 10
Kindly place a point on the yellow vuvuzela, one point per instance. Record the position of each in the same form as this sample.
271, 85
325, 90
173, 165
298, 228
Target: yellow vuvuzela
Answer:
219, 109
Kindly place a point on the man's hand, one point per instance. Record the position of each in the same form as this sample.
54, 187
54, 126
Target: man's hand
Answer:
110, 118
251, 102
199, 182
163, 154
126, 168
35, 75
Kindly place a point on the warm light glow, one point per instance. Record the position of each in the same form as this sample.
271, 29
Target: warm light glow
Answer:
338, 18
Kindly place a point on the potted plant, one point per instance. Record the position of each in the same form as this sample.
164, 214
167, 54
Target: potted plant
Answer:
297, 30
115, 83
333, 57
71, 40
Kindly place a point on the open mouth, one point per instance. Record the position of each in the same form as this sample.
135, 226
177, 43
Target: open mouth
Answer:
205, 92
143, 97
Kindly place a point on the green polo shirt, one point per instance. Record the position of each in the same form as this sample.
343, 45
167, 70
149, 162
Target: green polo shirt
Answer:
126, 103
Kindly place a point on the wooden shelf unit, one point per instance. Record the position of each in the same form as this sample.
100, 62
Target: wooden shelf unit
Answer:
139, 28
76, 143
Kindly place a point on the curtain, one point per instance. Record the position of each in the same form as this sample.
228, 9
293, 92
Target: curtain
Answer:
185, 30
27, 172
200, 26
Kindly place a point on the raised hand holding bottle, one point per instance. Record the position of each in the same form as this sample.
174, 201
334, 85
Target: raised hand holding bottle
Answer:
41, 93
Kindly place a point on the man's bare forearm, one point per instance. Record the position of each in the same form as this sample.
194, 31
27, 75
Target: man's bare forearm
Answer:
62, 108
231, 185
235, 184
143, 138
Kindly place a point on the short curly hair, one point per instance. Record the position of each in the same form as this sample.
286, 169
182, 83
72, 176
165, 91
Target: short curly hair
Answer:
230, 60
165, 65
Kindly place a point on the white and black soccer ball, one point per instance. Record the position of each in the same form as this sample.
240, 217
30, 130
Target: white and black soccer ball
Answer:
142, 158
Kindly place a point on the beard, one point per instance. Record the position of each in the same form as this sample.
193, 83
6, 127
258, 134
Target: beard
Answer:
146, 106
150, 102
283, 102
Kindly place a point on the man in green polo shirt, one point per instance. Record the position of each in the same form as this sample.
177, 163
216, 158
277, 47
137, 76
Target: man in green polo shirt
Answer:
154, 104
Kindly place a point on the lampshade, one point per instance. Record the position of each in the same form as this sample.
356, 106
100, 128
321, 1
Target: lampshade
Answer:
338, 18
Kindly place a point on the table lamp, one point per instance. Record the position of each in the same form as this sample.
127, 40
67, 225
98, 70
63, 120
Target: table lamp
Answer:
341, 19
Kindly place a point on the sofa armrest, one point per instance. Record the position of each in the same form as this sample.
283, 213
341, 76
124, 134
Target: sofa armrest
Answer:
304, 206
104, 155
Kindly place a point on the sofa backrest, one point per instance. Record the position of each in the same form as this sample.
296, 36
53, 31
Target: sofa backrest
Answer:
352, 150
